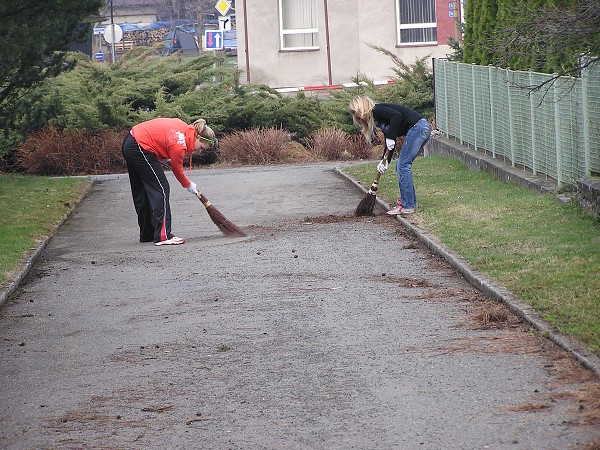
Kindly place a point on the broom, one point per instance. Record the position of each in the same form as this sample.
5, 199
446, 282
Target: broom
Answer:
226, 227
367, 204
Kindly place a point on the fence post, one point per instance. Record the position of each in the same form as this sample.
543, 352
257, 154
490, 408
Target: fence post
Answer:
510, 120
492, 111
474, 106
460, 138
531, 121
446, 99
586, 130
555, 103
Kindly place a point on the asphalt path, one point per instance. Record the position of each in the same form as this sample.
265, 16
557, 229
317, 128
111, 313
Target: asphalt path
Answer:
318, 330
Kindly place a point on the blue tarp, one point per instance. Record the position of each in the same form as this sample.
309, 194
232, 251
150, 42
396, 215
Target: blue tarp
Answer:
186, 25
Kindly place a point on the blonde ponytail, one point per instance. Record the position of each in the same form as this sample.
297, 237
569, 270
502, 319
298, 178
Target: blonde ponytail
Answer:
203, 130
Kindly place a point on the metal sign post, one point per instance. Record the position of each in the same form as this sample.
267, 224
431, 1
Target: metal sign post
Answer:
223, 7
113, 35
112, 27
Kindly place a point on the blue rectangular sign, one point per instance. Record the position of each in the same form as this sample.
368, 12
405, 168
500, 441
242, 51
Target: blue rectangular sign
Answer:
213, 40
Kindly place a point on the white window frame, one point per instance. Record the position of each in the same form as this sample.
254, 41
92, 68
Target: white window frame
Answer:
414, 26
309, 30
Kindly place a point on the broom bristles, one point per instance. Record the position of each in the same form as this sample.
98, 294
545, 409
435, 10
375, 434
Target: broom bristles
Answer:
366, 206
226, 227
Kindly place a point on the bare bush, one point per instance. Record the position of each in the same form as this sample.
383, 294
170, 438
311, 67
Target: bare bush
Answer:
65, 153
255, 146
359, 149
328, 144
332, 144
61, 153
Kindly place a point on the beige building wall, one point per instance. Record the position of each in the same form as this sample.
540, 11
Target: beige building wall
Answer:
130, 14
259, 57
353, 24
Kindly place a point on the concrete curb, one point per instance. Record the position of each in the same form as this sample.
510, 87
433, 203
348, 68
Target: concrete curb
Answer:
15, 280
586, 358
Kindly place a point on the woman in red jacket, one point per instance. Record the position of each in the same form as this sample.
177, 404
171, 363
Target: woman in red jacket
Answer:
144, 147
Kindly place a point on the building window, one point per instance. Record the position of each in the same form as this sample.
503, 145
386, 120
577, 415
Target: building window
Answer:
416, 22
298, 24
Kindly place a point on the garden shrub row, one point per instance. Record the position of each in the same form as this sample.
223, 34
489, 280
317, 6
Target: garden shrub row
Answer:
54, 153
74, 123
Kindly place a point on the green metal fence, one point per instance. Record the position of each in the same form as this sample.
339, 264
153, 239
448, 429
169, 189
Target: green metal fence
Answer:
553, 131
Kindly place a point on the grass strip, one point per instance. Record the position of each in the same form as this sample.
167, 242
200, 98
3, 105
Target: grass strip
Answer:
545, 252
31, 208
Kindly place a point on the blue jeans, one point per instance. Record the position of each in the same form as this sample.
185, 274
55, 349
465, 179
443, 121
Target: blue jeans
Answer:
416, 138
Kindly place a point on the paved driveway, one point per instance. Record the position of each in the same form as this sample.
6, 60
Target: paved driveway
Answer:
318, 330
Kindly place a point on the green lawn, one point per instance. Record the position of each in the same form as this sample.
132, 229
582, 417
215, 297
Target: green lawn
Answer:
30, 210
545, 252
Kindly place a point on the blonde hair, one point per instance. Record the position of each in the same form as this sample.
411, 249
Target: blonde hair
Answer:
203, 130
361, 108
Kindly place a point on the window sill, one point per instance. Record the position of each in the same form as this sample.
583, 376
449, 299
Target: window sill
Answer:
296, 50
418, 44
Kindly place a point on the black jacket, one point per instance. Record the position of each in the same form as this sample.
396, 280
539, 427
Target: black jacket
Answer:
394, 120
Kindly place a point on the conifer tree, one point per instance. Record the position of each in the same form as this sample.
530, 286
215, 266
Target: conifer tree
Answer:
539, 35
36, 36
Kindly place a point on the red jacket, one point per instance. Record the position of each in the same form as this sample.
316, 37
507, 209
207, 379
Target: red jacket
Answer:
167, 139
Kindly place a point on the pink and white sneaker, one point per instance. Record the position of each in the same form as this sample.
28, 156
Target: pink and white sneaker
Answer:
173, 241
399, 209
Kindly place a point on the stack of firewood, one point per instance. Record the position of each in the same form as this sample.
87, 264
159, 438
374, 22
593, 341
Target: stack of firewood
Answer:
146, 38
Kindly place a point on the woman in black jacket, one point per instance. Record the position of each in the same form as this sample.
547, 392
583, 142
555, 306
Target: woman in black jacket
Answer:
394, 121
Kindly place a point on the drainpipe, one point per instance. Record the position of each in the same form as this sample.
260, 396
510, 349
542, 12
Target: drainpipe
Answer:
327, 39
246, 51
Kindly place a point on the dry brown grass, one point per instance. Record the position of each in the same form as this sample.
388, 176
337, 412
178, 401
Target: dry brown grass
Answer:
529, 407
593, 445
588, 403
491, 314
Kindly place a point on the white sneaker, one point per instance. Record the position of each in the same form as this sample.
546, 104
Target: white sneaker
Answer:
173, 241
400, 210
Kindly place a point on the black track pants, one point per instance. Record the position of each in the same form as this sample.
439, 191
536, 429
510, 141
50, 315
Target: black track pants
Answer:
150, 190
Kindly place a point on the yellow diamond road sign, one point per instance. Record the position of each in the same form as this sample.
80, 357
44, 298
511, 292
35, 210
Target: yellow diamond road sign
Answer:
223, 6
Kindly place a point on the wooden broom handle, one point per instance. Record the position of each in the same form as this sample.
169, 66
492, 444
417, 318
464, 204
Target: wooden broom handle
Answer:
203, 199
375, 184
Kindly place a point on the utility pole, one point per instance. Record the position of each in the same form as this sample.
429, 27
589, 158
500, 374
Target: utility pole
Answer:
112, 29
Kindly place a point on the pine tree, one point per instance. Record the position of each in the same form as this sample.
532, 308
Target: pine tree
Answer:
539, 35
35, 37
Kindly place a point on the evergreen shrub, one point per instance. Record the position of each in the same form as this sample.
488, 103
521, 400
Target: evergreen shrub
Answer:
87, 107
